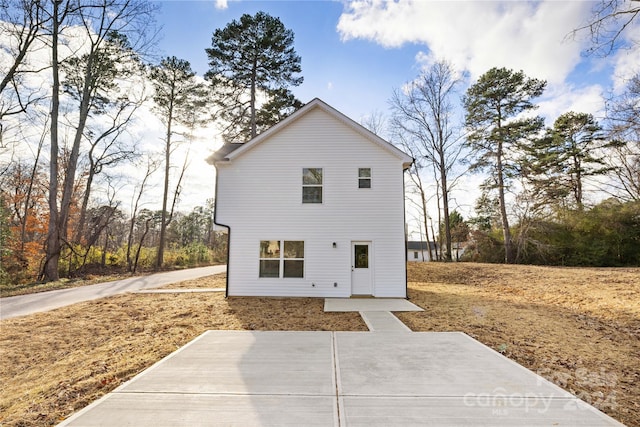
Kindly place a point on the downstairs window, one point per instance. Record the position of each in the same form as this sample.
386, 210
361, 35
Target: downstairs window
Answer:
281, 258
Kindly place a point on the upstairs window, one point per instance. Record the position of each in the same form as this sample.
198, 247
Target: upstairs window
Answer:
280, 259
364, 178
312, 185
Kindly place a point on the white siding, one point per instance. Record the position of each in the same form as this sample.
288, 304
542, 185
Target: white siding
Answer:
260, 198
421, 254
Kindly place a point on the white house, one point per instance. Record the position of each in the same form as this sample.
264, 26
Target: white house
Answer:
421, 251
314, 207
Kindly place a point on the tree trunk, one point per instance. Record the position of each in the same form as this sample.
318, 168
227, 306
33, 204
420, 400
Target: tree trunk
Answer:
445, 207
508, 247
146, 230
165, 195
50, 270
85, 203
425, 218
134, 216
105, 248
70, 177
254, 126
27, 199
577, 192
130, 238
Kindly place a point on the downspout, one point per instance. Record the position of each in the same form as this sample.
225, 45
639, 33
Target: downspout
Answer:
406, 235
215, 221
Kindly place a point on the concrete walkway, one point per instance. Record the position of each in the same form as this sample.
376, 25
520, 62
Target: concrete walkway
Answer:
383, 321
368, 379
369, 304
44, 301
376, 312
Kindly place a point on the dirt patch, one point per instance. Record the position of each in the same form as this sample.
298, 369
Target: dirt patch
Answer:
217, 281
58, 362
578, 327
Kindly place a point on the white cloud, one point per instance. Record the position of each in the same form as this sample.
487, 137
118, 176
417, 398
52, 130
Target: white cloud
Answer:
559, 99
627, 61
222, 4
475, 35
330, 86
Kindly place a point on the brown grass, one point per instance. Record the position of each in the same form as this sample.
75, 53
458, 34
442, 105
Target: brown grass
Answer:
578, 327
54, 363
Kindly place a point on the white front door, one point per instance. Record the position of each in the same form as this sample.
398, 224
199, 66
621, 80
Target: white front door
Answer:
361, 283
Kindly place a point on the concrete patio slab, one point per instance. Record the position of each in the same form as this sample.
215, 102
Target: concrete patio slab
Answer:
492, 411
433, 364
242, 362
383, 321
446, 379
200, 410
369, 304
257, 378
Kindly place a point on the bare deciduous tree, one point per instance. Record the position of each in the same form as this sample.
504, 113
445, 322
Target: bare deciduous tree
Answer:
623, 117
423, 113
21, 23
609, 21
101, 19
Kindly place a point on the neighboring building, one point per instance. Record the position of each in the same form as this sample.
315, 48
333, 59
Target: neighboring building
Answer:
314, 207
421, 251
457, 250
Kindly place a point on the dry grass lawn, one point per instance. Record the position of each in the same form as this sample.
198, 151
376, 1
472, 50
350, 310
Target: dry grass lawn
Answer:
578, 327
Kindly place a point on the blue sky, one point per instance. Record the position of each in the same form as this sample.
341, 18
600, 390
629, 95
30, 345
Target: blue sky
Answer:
355, 76
356, 52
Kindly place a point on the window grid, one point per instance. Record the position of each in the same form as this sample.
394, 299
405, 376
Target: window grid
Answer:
364, 177
312, 185
281, 259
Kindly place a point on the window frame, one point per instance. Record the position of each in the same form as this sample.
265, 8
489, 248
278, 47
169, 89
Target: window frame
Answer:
269, 259
366, 177
281, 259
294, 259
313, 185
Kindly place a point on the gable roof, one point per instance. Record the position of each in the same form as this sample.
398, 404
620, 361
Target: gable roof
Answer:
229, 152
416, 245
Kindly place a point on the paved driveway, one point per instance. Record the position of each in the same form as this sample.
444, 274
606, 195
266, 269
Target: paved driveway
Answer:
44, 301
368, 379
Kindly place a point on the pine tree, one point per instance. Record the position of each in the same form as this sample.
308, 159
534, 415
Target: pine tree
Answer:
558, 164
494, 107
253, 59
178, 97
